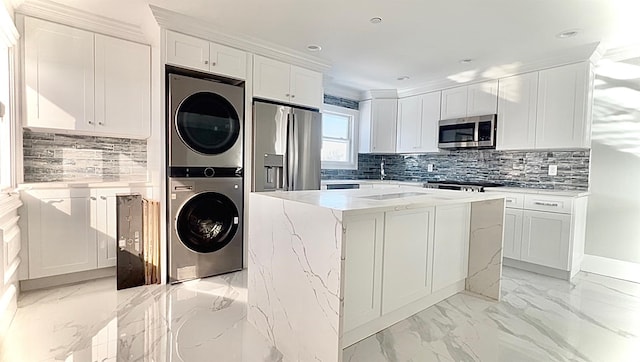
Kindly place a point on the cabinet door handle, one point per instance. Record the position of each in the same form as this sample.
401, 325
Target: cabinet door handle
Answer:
554, 204
92, 198
293, 96
509, 201
287, 95
213, 64
90, 122
103, 197
206, 62
101, 123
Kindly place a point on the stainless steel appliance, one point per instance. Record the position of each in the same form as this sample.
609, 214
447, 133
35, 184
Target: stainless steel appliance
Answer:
460, 185
286, 147
205, 125
469, 132
206, 226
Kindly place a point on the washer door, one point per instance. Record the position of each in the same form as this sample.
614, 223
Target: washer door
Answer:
207, 123
207, 222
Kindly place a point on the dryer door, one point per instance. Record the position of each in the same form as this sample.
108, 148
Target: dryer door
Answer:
207, 222
207, 123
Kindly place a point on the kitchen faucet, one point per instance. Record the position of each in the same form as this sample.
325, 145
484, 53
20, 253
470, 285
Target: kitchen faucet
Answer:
382, 174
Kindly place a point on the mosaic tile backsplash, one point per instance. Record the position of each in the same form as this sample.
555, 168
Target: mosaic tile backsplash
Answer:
512, 168
52, 157
341, 102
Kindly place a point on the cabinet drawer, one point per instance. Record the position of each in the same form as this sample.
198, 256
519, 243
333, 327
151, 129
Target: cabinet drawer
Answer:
557, 204
514, 201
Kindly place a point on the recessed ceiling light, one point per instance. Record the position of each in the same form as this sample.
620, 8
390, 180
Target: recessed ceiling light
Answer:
466, 61
375, 20
404, 77
568, 33
314, 48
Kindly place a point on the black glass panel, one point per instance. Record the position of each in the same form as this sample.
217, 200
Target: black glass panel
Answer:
207, 222
484, 131
456, 133
208, 123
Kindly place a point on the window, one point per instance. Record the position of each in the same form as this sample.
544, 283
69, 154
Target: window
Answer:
339, 138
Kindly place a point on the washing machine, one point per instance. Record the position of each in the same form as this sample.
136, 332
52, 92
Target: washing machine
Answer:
205, 122
206, 226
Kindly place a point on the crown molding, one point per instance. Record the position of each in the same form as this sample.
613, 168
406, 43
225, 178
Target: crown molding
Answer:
379, 93
51, 11
171, 20
8, 33
622, 53
576, 55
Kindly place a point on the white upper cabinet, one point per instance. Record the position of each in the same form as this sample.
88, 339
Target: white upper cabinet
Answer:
517, 104
287, 83
482, 98
59, 76
564, 102
378, 125
418, 123
191, 52
106, 82
454, 103
472, 100
123, 87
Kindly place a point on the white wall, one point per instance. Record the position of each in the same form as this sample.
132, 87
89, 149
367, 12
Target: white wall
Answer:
613, 219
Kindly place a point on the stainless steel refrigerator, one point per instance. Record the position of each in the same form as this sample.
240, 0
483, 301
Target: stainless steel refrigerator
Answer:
286, 147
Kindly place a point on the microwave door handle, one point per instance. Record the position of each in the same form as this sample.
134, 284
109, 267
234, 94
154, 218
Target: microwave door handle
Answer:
476, 131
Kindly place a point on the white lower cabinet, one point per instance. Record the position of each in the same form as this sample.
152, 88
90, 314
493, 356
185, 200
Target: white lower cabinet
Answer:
544, 233
363, 269
545, 239
61, 237
451, 245
71, 230
512, 233
408, 249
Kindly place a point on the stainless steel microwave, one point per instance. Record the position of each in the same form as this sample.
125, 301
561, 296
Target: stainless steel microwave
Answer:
469, 132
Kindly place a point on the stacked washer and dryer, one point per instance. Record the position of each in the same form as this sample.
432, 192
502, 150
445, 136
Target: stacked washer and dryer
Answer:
205, 160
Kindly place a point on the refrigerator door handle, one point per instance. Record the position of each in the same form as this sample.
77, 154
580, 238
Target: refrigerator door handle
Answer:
291, 154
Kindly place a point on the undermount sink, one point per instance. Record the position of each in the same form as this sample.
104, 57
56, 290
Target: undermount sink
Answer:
394, 196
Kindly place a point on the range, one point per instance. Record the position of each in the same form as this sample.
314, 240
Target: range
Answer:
460, 185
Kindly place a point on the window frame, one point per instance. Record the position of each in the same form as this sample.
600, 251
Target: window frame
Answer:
353, 115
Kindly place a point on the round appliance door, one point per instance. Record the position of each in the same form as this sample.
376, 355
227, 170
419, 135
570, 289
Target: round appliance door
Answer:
207, 222
207, 123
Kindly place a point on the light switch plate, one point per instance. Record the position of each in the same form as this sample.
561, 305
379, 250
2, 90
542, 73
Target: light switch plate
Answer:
553, 170
430, 167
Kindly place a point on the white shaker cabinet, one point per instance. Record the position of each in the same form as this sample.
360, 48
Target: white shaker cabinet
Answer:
85, 83
451, 242
517, 109
408, 249
512, 239
545, 239
59, 76
564, 107
286, 83
378, 125
60, 231
191, 52
471, 100
122, 87
418, 118
363, 268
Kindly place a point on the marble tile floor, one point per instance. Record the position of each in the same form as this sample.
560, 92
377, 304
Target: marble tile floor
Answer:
593, 318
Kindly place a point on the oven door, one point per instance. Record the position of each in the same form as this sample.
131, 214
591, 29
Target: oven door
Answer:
457, 133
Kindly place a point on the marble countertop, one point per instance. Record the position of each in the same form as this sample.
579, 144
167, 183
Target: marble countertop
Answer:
373, 182
403, 197
92, 184
569, 193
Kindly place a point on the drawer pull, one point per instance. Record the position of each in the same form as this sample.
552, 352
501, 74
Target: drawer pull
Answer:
554, 204
509, 200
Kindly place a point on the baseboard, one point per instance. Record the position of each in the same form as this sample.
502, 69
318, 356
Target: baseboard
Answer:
71, 278
614, 268
538, 269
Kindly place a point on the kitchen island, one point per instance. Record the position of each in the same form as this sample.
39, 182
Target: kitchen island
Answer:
329, 268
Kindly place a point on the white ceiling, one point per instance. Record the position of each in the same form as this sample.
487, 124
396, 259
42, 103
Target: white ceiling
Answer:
423, 39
